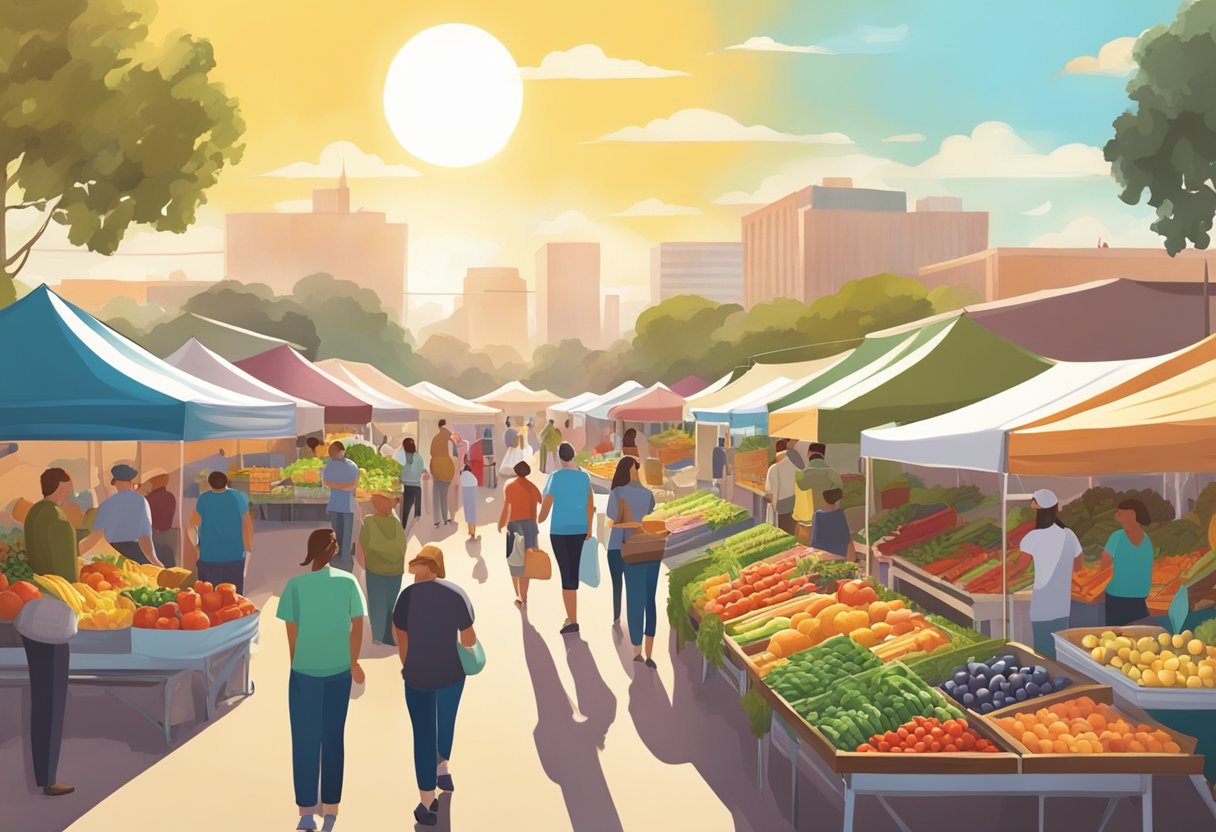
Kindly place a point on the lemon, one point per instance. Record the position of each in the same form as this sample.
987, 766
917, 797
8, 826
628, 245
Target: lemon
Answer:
1099, 655
1148, 678
1209, 682
1164, 639
1167, 677
1133, 673
1116, 662
1134, 656
1125, 653
1109, 634
1166, 654
1195, 647
1089, 642
1123, 641
1206, 671
1146, 643
1171, 663
1178, 641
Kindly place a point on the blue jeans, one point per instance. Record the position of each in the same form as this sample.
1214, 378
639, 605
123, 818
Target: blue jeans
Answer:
641, 584
1044, 644
433, 717
616, 569
382, 592
317, 707
343, 523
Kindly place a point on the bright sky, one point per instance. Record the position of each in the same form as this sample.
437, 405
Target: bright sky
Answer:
949, 97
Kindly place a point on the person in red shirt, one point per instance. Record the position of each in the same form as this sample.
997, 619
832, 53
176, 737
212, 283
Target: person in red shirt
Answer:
521, 501
165, 537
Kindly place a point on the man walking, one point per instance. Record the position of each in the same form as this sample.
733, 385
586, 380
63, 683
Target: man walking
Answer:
550, 441
341, 477
567, 495
50, 542
223, 529
124, 519
163, 506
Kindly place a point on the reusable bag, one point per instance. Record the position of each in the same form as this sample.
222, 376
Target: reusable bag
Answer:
537, 565
518, 548
641, 546
589, 563
472, 659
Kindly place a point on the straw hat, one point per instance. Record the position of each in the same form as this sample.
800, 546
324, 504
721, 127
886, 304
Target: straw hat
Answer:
433, 556
380, 499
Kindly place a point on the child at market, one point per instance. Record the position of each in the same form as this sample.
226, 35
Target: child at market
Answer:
830, 531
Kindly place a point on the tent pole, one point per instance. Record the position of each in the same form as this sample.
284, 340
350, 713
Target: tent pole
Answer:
1005, 555
869, 543
1177, 495
181, 503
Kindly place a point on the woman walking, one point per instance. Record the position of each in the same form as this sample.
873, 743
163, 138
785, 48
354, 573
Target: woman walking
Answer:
468, 498
567, 495
413, 471
443, 471
521, 500
641, 579
430, 616
382, 556
1131, 553
324, 610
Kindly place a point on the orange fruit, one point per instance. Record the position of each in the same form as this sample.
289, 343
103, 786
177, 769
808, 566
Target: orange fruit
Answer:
25, 590
10, 605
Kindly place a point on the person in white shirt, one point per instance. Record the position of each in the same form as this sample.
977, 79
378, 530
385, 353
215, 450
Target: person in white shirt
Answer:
1055, 549
779, 485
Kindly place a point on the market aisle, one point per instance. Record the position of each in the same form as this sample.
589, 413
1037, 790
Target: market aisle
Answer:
559, 729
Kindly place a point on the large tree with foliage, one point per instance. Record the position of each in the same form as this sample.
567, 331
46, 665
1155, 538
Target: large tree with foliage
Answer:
101, 128
1167, 144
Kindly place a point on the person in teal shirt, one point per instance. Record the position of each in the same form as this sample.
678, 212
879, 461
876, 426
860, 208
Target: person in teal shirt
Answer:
324, 611
1131, 552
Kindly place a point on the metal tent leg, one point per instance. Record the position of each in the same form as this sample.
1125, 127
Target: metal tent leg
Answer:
850, 800
1111, 805
1146, 805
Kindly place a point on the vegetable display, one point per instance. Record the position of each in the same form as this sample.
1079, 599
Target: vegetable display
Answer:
929, 735
991, 685
815, 671
1166, 661
759, 585
700, 508
1082, 726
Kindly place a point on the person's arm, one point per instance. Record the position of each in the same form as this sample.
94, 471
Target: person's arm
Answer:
590, 513
293, 630
247, 531
145, 546
546, 506
403, 643
467, 637
356, 645
506, 512
92, 539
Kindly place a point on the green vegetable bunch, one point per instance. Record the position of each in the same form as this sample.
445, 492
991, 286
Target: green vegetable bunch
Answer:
709, 639
145, 596
759, 714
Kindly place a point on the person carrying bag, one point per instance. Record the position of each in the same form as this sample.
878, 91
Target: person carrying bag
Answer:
634, 555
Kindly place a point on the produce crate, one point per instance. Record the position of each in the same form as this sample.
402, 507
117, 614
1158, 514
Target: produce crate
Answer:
1070, 652
193, 644
699, 538
102, 641
1026, 656
1129, 763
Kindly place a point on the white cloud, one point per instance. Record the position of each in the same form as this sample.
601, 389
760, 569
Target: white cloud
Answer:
1038, 210
1114, 58
294, 206
359, 165
905, 138
656, 208
882, 34
1085, 232
763, 43
698, 125
564, 223
588, 61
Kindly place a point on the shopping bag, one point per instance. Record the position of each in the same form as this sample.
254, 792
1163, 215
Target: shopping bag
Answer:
641, 546
472, 659
589, 563
537, 565
518, 548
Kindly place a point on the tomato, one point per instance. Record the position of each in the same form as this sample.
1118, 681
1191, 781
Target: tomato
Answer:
919, 747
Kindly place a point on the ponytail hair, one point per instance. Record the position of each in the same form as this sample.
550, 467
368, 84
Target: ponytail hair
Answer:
1045, 518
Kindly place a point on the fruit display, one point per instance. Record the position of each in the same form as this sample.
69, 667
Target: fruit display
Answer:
816, 671
1083, 726
105, 609
1156, 661
305, 476
700, 508
603, 466
196, 608
929, 735
1001, 681
13, 597
872, 703
672, 446
377, 472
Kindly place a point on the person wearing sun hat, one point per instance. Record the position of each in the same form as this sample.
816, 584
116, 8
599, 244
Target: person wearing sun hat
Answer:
1054, 548
381, 553
124, 519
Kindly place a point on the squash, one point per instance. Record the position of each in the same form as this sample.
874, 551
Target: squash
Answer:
798, 618
828, 615
878, 611
850, 620
820, 603
881, 629
787, 643
811, 628
864, 636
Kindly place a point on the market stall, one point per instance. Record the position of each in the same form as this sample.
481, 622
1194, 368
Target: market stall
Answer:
285, 369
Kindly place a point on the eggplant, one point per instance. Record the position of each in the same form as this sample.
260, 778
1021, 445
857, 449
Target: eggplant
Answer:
983, 694
961, 677
996, 680
1020, 694
1032, 689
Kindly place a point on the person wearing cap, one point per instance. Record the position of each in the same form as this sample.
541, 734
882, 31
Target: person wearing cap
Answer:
431, 615
124, 519
163, 506
1054, 548
381, 553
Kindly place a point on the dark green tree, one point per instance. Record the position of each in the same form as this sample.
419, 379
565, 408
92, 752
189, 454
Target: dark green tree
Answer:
1167, 144
100, 128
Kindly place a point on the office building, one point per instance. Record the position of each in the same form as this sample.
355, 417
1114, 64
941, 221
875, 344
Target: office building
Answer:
612, 318
711, 270
568, 293
495, 309
92, 294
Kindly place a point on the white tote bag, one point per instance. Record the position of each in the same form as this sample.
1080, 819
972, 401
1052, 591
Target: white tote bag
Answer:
518, 548
589, 563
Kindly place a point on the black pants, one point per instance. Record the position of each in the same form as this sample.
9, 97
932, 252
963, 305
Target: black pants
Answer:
130, 550
48, 664
411, 498
1122, 611
567, 551
223, 572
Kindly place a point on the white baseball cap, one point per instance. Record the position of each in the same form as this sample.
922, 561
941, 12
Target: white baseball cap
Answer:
1046, 498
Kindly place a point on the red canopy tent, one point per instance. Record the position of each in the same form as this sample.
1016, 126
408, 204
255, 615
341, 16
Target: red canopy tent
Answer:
657, 403
287, 370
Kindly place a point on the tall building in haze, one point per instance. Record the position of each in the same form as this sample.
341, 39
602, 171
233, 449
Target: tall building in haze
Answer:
568, 293
496, 309
612, 318
711, 270
809, 243
278, 248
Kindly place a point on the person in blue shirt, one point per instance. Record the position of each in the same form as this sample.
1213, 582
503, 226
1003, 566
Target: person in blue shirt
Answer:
124, 519
567, 496
830, 529
641, 579
1131, 553
222, 529
341, 477
413, 472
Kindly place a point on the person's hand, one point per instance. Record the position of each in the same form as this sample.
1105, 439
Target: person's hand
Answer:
356, 673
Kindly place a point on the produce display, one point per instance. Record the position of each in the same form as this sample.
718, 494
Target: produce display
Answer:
672, 446
301, 481
1165, 661
816, 671
197, 608
602, 466
700, 508
1082, 726
377, 472
14, 596
305, 476
992, 685
929, 735
762, 584
13, 563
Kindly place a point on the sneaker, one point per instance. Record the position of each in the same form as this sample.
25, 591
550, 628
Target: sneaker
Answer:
57, 790
327, 825
425, 816
650, 663
308, 822
638, 658
444, 781
569, 628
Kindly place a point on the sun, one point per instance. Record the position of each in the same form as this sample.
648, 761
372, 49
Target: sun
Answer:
453, 95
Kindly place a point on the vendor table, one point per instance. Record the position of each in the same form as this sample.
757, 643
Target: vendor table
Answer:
984, 612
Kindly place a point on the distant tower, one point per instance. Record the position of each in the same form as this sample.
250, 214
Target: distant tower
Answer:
332, 200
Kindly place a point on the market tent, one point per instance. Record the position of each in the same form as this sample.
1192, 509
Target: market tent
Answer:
760, 385
689, 385
1161, 420
960, 362
570, 405
605, 400
385, 409
287, 370
1100, 321
445, 401
657, 403
974, 437
229, 342
192, 357
85, 382
515, 396
370, 377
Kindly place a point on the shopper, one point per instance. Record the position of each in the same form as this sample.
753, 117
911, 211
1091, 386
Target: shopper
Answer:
1131, 553
521, 500
641, 580
830, 529
550, 441
124, 519
50, 544
163, 506
341, 477
443, 471
323, 610
629, 444
468, 498
316, 448
223, 528
514, 455
719, 464
510, 437
567, 496
382, 556
818, 476
1054, 548
779, 485
413, 472
430, 616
